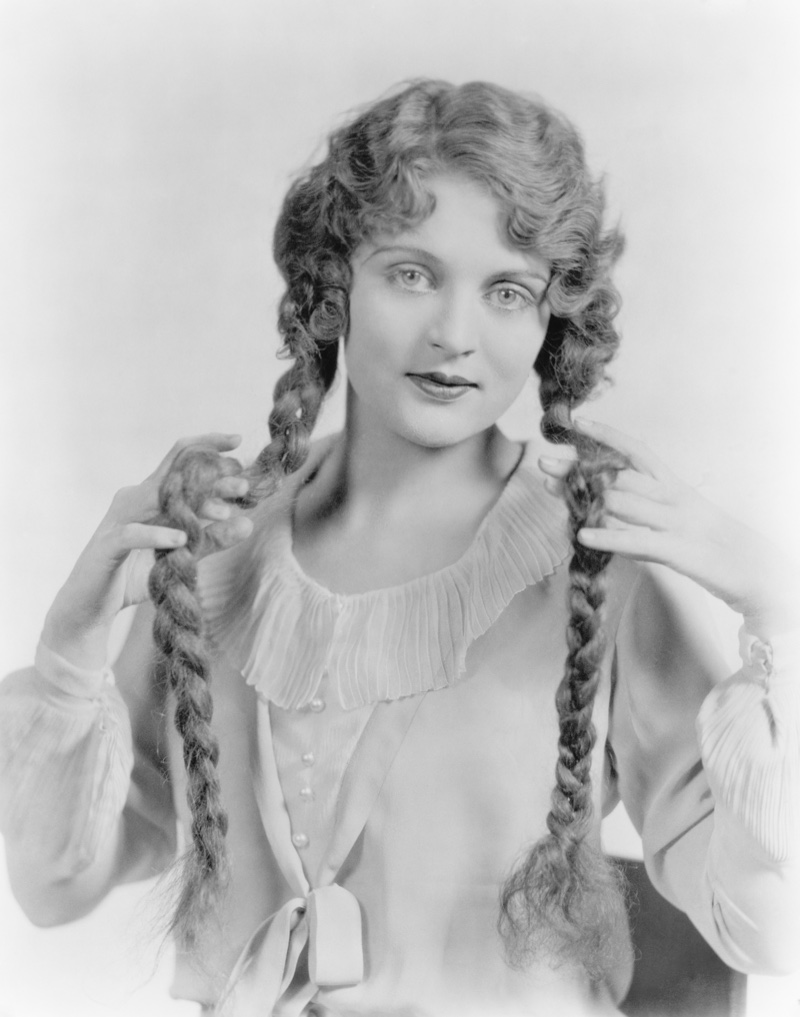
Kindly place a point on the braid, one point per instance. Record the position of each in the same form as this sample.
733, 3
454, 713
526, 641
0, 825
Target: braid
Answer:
566, 896
297, 399
178, 626
312, 317
178, 634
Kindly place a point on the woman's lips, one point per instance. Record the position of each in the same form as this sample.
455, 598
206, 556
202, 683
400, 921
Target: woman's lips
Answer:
445, 387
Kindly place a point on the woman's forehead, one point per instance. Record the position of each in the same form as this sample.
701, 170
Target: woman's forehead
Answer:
466, 218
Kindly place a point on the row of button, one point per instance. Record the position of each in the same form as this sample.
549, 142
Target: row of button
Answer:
316, 705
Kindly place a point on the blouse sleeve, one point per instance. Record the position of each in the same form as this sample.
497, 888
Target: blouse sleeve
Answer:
84, 802
709, 771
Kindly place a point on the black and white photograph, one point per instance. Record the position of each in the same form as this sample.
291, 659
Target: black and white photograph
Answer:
401, 574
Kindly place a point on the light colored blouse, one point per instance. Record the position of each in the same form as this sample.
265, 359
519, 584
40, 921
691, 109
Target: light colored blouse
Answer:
387, 757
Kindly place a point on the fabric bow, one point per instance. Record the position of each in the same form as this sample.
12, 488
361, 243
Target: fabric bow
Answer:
269, 977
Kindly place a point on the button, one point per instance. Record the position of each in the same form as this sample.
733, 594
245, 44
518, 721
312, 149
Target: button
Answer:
307, 794
316, 705
300, 840
308, 759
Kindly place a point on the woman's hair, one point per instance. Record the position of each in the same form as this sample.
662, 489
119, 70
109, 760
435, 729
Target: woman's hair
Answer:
376, 177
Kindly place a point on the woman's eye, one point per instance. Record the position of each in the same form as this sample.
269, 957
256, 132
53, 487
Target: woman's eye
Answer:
510, 299
411, 279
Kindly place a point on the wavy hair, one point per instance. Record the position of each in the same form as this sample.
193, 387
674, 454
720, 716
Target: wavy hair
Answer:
375, 177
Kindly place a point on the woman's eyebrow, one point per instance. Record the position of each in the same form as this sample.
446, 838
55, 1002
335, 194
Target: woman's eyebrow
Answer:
522, 275
412, 252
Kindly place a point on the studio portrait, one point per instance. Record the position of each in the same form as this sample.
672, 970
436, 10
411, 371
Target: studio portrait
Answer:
401, 576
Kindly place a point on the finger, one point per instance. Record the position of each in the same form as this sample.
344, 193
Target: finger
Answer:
231, 487
215, 439
629, 541
220, 536
642, 484
555, 487
555, 467
639, 454
215, 508
136, 536
636, 510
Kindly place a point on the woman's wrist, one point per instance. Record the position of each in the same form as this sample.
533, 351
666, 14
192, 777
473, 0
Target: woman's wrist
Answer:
769, 602
75, 680
85, 647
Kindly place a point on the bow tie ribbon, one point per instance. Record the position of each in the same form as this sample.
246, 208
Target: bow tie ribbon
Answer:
268, 977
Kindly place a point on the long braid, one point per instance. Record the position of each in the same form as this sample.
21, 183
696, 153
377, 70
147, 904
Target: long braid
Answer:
566, 896
178, 628
571, 800
178, 634
313, 315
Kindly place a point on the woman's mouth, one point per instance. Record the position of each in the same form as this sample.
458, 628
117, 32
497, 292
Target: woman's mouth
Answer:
440, 386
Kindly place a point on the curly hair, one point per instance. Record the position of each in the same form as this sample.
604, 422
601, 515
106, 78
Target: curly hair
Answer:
376, 177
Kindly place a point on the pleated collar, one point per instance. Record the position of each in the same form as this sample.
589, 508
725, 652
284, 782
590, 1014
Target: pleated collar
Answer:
284, 631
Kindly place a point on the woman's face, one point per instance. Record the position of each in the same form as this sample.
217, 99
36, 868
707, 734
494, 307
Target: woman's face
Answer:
446, 319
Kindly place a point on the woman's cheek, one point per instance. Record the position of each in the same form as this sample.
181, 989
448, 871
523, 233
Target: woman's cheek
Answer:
513, 361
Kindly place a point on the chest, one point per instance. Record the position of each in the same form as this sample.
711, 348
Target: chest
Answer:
473, 756
376, 553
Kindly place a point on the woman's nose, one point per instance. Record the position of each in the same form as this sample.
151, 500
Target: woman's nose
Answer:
452, 329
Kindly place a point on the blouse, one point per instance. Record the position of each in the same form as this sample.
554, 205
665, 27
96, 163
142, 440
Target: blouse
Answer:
386, 758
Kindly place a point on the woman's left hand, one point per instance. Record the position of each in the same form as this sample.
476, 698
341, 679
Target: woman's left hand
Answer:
652, 515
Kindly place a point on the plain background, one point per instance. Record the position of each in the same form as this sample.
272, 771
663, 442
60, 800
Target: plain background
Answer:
145, 146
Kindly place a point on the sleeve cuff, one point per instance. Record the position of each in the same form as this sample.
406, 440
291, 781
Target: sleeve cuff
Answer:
74, 681
769, 661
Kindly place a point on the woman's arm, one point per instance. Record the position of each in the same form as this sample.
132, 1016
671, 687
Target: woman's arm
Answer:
709, 764
85, 802
84, 799
709, 771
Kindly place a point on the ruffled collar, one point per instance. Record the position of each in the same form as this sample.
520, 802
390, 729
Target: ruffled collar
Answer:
285, 632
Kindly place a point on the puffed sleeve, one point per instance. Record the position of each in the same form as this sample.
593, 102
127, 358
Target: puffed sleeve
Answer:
709, 771
84, 799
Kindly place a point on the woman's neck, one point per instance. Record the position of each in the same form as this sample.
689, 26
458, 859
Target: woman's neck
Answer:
373, 473
380, 511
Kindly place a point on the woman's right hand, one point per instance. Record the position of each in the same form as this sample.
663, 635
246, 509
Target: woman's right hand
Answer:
113, 569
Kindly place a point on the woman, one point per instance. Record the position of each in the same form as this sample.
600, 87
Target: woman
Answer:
373, 823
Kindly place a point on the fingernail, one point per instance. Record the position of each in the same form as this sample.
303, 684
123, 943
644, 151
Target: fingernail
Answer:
548, 460
179, 539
